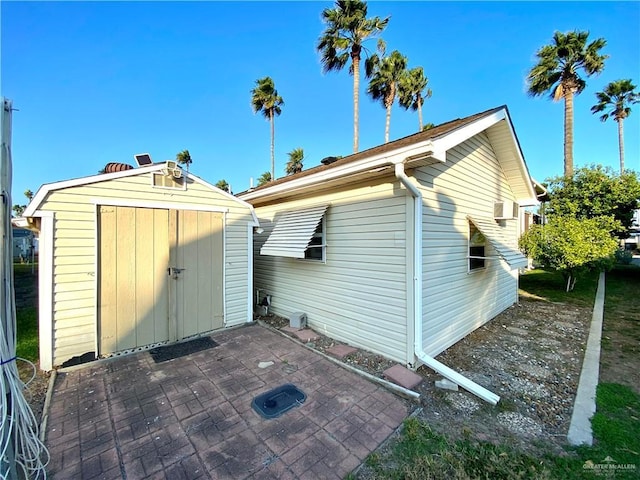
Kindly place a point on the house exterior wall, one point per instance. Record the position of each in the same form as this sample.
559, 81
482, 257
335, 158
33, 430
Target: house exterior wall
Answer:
359, 295
74, 287
456, 301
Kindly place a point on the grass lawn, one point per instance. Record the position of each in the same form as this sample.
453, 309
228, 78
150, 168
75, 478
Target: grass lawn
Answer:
27, 333
26, 316
423, 454
549, 285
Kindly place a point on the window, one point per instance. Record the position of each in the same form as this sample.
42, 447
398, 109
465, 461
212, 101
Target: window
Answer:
298, 234
477, 244
317, 245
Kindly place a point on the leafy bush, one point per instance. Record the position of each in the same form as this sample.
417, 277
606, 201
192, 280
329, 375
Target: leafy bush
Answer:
571, 245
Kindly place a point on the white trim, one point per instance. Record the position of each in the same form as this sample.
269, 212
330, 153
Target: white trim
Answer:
322, 246
524, 170
45, 189
435, 148
127, 202
224, 269
421, 149
250, 228
465, 132
96, 277
45, 289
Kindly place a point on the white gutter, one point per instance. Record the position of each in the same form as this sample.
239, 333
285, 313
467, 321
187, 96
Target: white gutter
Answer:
422, 149
431, 362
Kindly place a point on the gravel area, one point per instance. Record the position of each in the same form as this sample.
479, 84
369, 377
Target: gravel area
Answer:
530, 355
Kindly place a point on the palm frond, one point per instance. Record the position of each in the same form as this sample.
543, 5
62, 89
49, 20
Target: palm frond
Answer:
265, 98
617, 97
562, 61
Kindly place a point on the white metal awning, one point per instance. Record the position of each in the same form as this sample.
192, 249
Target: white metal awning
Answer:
500, 241
293, 232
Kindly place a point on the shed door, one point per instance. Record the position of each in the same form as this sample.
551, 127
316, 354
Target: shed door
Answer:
197, 278
160, 276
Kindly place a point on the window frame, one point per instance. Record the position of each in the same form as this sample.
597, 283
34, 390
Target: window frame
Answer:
476, 260
322, 235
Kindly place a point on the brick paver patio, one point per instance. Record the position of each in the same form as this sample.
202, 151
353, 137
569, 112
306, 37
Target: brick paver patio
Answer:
191, 417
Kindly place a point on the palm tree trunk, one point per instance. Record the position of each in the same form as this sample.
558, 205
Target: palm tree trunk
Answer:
273, 158
387, 124
420, 115
356, 100
568, 132
621, 144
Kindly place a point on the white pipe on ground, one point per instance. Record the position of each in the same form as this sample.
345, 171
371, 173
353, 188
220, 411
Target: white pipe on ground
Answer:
429, 361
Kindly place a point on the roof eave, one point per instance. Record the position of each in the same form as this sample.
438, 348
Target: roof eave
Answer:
413, 155
47, 188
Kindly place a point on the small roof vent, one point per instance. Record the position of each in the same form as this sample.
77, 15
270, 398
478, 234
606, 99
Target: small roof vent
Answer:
329, 160
116, 167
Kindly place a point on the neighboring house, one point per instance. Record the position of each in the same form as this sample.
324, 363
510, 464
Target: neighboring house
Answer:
24, 244
633, 241
138, 258
402, 249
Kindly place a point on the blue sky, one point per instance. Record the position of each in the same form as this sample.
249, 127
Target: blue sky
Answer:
98, 82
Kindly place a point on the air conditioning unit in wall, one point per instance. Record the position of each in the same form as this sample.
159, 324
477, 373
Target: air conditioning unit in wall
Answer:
505, 210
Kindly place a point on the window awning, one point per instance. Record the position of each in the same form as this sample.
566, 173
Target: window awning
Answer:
293, 232
501, 242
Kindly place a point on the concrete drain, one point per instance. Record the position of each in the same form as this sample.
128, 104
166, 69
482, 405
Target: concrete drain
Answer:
275, 402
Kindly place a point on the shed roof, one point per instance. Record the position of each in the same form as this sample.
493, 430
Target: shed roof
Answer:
422, 148
45, 189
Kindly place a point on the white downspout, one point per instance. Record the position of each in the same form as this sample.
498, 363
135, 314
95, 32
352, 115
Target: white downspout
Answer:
431, 362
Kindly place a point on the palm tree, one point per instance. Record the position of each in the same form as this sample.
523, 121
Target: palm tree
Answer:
265, 99
616, 97
294, 165
29, 194
385, 73
347, 28
184, 158
558, 72
223, 185
264, 178
412, 93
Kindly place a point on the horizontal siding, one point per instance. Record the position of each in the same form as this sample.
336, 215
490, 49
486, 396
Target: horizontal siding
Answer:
456, 302
74, 302
359, 295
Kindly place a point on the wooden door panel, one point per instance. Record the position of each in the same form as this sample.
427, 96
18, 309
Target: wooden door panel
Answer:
133, 256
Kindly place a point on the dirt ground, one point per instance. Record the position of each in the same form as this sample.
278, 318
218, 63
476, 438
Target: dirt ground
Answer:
530, 355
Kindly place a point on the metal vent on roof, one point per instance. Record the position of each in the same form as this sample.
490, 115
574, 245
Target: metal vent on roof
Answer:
329, 160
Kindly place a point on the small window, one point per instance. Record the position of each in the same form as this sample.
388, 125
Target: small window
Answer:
477, 244
317, 245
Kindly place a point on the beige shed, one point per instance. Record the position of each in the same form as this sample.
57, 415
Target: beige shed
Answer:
138, 258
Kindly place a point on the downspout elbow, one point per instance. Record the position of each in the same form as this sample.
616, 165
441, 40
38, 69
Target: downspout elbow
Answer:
429, 361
